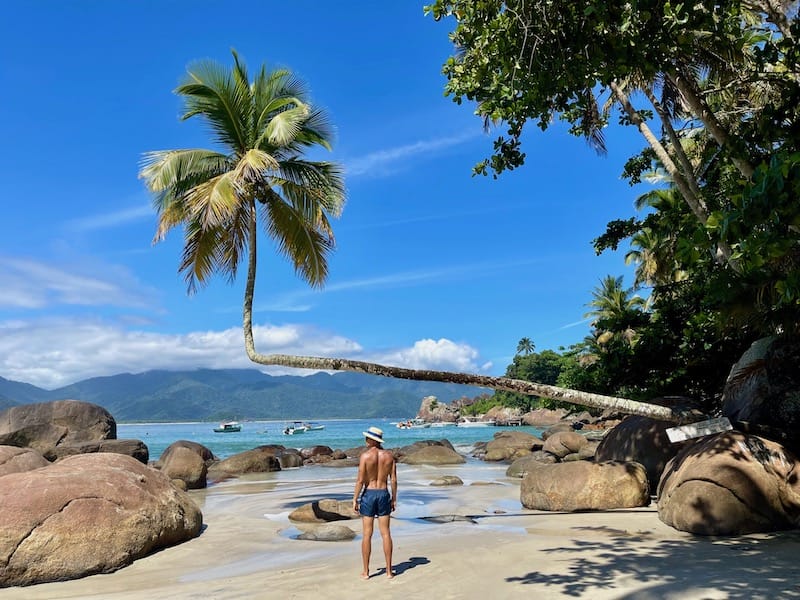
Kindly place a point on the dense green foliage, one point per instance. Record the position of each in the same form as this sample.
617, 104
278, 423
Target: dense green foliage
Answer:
717, 244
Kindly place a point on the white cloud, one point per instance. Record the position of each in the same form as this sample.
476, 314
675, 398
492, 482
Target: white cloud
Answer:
56, 352
32, 284
440, 355
387, 161
112, 219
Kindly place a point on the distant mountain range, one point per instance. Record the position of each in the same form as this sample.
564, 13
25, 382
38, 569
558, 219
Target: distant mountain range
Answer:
215, 395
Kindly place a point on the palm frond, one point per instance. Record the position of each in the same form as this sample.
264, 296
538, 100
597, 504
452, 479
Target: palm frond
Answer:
324, 180
163, 169
214, 202
298, 239
224, 101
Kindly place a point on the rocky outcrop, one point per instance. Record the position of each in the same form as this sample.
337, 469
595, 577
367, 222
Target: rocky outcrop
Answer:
433, 455
311, 452
640, 439
87, 514
433, 411
45, 425
763, 387
446, 480
504, 415
203, 452
730, 484
323, 511
328, 533
17, 460
584, 485
186, 465
562, 443
543, 417
510, 445
258, 460
133, 448
522, 465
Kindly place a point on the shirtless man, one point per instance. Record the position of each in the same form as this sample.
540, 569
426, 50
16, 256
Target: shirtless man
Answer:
376, 468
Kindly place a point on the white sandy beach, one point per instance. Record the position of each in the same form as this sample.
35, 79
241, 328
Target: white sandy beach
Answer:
247, 549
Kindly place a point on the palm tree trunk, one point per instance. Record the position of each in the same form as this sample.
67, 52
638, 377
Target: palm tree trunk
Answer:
497, 383
694, 201
250, 285
700, 109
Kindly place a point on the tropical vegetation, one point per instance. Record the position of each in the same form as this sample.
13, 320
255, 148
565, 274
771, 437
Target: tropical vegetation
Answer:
712, 89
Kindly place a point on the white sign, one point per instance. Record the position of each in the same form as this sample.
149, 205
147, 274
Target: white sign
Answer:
699, 429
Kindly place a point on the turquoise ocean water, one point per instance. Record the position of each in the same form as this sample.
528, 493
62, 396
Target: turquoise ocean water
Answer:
338, 434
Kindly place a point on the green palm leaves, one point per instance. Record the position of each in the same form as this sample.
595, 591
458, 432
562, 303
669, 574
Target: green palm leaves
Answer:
258, 173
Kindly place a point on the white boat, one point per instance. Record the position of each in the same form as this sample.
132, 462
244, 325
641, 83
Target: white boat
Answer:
313, 426
443, 424
295, 428
413, 424
474, 422
228, 427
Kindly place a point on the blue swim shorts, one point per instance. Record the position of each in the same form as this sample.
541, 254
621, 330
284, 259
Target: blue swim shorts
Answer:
375, 503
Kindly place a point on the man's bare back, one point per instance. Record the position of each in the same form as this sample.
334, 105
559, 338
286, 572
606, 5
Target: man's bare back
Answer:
375, 468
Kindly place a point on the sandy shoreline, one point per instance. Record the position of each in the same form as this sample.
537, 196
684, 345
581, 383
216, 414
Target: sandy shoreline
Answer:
247, 549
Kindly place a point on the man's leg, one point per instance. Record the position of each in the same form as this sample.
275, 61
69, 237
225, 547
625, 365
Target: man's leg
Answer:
366, 543
386, 535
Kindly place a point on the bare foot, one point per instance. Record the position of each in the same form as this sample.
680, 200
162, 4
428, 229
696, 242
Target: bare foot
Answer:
364, 576
390, 574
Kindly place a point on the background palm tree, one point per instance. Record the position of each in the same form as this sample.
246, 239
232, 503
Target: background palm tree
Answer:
262, 128
525, 346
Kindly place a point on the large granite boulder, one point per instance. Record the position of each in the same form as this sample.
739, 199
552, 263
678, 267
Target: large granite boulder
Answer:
561, 443
87, 514
509, 445
133, 448
186, 465
763, 387
310, 452
323, 511
584, 485
199, 449
543, 417
45, 425
731, 484
328, 532
17, 460
642, 440
258, 460
433, 455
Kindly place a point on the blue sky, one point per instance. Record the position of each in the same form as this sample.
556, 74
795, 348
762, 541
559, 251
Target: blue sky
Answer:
434, 268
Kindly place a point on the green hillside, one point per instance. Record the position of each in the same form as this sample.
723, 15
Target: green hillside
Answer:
207, 394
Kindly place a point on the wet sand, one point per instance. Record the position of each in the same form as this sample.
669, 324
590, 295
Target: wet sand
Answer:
481, 544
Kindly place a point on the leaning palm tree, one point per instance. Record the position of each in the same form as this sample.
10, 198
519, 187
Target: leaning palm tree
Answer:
219, 196
262, 127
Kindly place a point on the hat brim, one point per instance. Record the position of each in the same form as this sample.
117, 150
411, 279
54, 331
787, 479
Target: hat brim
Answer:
372, 436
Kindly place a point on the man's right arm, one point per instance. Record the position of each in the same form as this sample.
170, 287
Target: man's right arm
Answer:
360, 482
393, 475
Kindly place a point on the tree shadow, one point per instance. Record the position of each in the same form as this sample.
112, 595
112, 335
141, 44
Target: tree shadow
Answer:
757, 566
